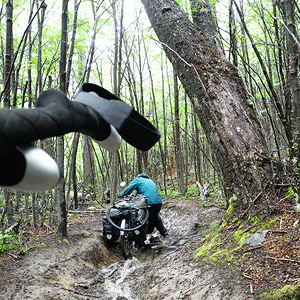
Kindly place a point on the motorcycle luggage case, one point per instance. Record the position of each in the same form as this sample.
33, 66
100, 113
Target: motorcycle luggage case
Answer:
110, 233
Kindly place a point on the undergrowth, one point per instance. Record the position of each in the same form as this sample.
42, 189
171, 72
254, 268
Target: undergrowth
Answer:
270, 267
9, 241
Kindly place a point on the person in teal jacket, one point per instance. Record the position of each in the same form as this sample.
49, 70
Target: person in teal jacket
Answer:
144, 185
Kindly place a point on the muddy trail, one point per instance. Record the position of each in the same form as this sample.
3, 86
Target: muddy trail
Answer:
84, 268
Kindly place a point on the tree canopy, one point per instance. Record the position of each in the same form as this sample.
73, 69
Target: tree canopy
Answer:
231, 121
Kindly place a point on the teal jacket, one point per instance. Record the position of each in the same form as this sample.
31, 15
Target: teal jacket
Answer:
144, 185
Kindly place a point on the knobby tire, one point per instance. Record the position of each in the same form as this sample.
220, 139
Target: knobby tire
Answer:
126, 243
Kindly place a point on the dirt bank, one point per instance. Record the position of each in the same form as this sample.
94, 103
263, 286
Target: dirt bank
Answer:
84, 268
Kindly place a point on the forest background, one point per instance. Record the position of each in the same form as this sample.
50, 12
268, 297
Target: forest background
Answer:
53, 44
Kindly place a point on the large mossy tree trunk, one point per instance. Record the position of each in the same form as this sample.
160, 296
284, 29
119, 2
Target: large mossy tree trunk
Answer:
220, 99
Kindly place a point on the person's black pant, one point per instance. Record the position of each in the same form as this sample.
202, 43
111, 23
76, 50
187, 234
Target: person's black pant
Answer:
155, 220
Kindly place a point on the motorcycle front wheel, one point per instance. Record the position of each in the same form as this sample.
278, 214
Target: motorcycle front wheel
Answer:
126, 243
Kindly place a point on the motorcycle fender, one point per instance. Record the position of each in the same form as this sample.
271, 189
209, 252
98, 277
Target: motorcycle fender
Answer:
123, 224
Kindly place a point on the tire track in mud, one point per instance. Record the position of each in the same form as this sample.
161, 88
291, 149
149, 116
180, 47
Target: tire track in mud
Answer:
85, 268
168, 271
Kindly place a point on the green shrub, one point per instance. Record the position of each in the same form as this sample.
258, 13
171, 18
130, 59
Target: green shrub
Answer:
8, 242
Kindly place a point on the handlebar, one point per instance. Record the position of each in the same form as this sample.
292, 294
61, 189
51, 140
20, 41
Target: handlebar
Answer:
125, 229
54, 115
94, 112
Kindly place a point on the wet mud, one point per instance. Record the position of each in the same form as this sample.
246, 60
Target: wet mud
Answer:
85, 268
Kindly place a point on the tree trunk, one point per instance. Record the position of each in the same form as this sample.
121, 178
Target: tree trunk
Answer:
72, 46
220, 99
197, 152
61, 200
88, 161
73, 176
117, 85
7, 88
34, 209
91, 53
29, 72
26, 196
9, 207
39, 79
8, 51
18, 68
288, 8
178, 152
62, 208
232, 36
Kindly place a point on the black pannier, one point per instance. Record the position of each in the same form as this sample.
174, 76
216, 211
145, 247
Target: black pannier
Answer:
137, 217
110, 233
132, 207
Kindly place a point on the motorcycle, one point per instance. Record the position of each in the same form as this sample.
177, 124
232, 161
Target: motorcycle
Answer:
126, 220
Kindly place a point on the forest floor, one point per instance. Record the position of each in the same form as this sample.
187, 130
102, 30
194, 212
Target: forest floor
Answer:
82, 267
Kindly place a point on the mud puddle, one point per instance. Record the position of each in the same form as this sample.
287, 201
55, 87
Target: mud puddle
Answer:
84, 268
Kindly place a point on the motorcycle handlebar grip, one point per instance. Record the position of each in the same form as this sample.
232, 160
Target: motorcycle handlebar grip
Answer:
28, 169
95, 112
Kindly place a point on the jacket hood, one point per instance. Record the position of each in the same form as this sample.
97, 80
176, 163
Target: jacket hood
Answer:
143, 175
